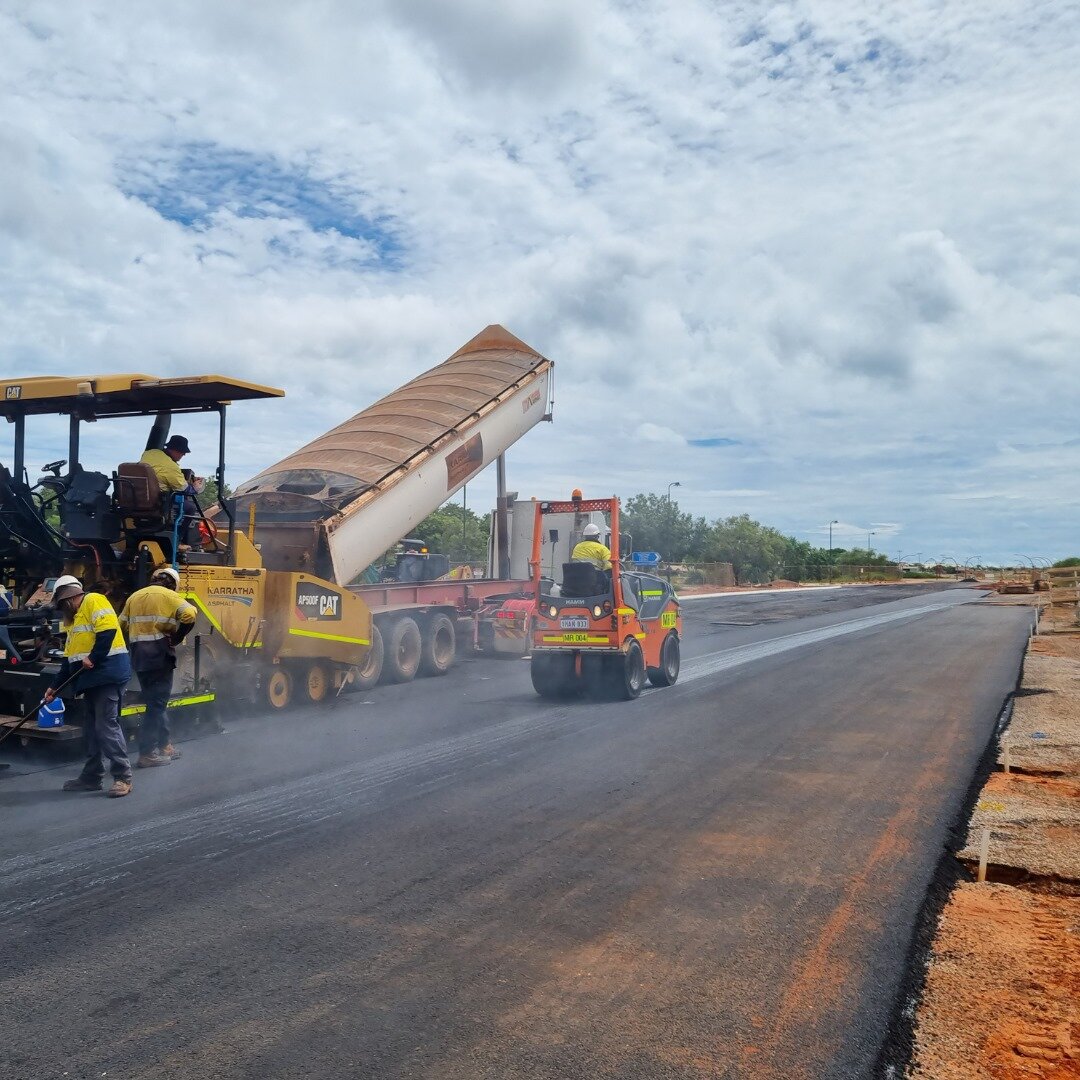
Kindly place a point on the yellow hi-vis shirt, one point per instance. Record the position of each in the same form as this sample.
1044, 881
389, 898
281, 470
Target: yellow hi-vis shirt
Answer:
95, 615
169, 474
150, 618
595, 552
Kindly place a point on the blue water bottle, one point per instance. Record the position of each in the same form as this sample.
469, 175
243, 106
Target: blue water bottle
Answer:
51, 714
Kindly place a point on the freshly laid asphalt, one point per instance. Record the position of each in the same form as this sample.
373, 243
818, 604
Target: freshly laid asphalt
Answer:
454, 879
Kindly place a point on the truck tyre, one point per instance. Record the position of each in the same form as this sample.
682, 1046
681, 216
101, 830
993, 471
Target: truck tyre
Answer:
278, 688
370, 671
626, 673
670, 662
403, 648
318, 681
553, 675
439, 646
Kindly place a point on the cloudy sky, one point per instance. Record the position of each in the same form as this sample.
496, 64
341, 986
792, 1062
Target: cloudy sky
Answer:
813, 260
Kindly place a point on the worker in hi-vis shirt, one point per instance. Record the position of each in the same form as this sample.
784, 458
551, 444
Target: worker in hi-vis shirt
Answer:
589, 549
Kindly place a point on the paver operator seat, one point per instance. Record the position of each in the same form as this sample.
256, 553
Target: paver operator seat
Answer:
581, 578
138, 494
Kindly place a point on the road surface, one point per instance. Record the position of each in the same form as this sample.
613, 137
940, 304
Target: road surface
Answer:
454, 879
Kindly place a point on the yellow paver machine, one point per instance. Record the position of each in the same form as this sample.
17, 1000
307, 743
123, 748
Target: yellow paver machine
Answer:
113, 531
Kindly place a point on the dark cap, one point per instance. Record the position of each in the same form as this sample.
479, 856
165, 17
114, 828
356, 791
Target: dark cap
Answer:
178, 442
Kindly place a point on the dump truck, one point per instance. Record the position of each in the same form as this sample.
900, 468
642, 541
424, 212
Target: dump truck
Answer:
278, 617
334, 506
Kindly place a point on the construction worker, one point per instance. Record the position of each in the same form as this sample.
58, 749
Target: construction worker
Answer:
166, 465
174, 480
589, 548
155, 620
95, 650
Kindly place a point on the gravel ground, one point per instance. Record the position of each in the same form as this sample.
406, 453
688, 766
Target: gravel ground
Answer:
1002, 995
1034, 825
1002, 989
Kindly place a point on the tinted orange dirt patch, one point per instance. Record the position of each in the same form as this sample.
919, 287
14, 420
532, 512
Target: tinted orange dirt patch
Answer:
1002, 996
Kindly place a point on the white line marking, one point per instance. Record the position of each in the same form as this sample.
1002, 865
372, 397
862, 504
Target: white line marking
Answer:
757, 595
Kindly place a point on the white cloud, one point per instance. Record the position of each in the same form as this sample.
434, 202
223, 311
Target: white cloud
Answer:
663, 436
840, 234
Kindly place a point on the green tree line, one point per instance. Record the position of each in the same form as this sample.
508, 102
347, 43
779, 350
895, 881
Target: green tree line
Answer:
757, 552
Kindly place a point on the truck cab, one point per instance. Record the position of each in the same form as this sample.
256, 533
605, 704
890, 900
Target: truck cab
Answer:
413, 562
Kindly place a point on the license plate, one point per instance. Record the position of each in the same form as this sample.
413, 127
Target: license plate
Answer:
573, 624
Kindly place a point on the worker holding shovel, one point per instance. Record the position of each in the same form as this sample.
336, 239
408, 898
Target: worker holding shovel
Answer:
96, 653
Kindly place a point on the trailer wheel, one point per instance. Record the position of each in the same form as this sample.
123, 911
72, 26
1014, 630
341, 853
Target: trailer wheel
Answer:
403, 648
553, 675
370, 671
318, 682
626, 673
279, 688
670, 662
439, 646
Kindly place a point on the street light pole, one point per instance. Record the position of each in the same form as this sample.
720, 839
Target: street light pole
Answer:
869, 549
674, 483
835, 521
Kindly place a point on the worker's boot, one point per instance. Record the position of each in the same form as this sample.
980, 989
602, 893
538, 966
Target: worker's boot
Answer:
171, 751
79, 784
153, 759
119, 789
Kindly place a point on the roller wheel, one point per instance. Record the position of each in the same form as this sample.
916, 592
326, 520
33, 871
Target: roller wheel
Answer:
439, 647
553, 675
319, 682
403, 649
626, 673
670, 662
370, 671
279, 688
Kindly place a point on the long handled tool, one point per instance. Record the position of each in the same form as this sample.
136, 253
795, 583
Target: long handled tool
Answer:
33, 712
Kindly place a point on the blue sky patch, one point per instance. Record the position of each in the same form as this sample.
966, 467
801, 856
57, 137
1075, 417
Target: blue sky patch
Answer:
189, 184
716, 440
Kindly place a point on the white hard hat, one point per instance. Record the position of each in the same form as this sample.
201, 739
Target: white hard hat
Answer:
591, 530
167, 572
66, 586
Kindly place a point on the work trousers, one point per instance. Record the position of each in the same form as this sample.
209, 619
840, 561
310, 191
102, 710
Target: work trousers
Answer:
156, 686
104, 735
